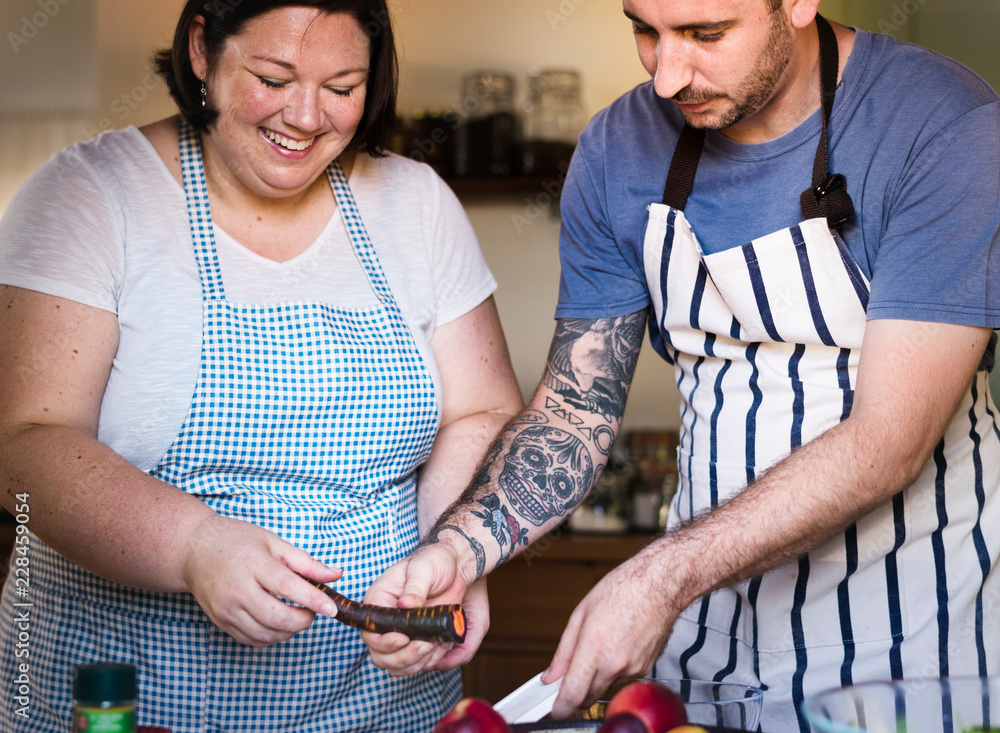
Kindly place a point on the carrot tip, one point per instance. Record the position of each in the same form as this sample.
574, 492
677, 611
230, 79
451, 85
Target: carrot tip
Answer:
458, 623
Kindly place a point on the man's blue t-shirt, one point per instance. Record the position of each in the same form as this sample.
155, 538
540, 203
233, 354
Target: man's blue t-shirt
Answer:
916, 135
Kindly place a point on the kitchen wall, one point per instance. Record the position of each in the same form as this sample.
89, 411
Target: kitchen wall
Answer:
73, 67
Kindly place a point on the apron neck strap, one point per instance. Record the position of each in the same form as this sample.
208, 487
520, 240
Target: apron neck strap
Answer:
683, 167
827, 198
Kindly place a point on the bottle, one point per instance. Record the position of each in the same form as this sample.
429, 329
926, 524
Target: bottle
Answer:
104, 698
553, 120
486, 140
432, 140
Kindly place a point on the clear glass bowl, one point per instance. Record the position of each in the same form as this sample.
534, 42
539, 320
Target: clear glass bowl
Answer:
716, 706
719, 704
955, 705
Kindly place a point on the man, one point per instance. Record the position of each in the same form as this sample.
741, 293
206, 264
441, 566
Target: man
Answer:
838, 514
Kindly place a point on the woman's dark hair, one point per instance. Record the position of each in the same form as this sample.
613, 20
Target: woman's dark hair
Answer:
225, 18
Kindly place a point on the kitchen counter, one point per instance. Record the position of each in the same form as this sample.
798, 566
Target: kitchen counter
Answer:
531, 599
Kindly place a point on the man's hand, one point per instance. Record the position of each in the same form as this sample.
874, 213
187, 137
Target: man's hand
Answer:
616, 632
430, 576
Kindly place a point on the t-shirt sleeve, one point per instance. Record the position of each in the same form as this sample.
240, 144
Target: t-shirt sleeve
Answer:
599, 276
59, 235
462, 278
937, 256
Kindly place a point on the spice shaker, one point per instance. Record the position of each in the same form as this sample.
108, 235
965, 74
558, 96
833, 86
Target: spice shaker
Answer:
104, 698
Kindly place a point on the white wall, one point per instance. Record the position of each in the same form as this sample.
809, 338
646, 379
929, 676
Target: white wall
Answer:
48, 55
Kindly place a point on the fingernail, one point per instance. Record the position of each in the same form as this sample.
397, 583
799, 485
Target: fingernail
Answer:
329, 610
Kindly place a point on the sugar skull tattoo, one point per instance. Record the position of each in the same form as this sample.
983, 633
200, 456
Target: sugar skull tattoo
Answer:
546, 472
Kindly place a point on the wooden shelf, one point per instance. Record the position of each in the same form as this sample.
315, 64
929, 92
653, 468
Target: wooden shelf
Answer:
531, 186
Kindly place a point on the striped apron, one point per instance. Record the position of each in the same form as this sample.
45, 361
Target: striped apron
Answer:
307, 420
765, 340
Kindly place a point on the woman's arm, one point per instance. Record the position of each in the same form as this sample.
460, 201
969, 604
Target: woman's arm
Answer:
100, 511
480, 394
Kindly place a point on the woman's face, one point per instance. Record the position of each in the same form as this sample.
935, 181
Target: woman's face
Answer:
290, 91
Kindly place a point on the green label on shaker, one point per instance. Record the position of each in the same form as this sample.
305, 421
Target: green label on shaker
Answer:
104, 720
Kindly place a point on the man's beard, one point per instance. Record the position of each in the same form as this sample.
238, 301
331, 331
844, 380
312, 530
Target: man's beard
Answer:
756, 90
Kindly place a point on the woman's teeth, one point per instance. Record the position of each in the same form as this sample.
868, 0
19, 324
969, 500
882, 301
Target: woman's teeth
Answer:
286, 143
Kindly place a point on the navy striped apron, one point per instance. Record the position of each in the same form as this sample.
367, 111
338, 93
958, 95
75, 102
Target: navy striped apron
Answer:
765, 340
307, 420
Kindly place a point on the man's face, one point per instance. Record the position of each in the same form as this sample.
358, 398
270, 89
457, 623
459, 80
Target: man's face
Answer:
720, 61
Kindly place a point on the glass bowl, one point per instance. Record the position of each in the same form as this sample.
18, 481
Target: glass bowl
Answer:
952, 705
719, 707
719, 704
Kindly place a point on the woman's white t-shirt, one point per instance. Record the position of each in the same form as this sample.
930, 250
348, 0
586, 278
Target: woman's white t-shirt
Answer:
104, 223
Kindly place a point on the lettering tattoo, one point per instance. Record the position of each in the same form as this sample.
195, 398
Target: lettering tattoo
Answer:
591, 362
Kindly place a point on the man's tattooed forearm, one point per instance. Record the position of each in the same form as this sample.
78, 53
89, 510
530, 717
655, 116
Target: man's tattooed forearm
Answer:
476, 545
591, 363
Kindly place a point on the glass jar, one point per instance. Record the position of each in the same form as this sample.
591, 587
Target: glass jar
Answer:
486, 140
554, 117
104, 698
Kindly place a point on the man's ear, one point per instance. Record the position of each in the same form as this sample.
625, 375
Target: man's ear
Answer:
801, 12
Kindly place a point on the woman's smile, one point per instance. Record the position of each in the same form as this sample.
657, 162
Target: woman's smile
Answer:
287, 142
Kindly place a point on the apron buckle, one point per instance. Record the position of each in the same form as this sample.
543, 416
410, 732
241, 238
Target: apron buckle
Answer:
834, 201
833, 182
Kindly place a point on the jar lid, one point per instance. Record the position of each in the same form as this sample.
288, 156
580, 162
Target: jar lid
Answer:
104, 681
554, 81
489, 85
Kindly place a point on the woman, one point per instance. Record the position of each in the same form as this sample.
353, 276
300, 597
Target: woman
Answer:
225, 350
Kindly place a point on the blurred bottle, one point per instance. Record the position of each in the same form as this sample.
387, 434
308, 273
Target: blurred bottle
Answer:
431, 140
554, 117
655, 456
486, 140
104, 698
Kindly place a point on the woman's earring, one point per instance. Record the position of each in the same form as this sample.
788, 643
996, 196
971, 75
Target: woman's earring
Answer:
204, 95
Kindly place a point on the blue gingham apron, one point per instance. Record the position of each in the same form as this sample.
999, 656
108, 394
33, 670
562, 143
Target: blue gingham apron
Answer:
307, 420
765, 340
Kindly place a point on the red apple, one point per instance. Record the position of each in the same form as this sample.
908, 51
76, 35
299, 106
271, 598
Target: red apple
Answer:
472, 715
623, 723
659, 707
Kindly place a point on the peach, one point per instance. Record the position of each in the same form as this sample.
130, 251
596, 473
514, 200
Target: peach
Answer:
659, 707
472, 715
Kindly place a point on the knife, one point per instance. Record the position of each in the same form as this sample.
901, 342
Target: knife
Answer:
530, 702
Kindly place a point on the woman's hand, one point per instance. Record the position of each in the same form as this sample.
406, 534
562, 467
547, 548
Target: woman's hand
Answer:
247, 580
427, 577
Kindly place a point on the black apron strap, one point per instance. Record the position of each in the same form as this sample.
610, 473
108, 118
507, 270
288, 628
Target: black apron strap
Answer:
683, 167
827, 198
